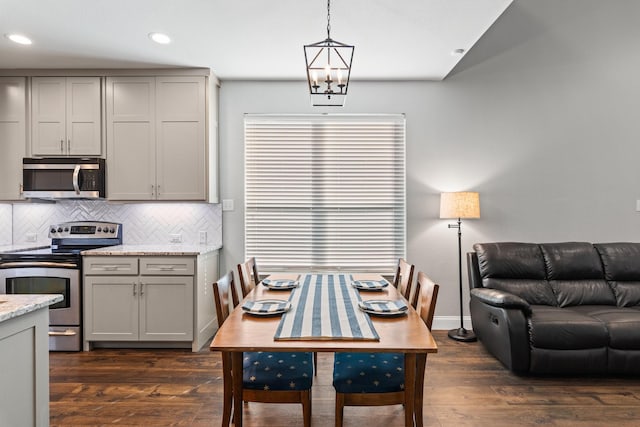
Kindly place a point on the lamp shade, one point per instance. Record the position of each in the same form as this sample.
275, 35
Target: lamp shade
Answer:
461, 204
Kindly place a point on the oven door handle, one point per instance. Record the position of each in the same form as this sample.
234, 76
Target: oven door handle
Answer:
38, 264
67, 333
76, 173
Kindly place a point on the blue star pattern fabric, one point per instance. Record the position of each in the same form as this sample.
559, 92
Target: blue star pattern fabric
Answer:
368, 372
277, 371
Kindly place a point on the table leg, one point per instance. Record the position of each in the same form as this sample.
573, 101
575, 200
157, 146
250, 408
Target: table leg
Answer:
228, 389
236, 369
409, 388
421, 361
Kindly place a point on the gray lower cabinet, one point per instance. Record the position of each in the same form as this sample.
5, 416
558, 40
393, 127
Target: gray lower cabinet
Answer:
146, 299
24, 372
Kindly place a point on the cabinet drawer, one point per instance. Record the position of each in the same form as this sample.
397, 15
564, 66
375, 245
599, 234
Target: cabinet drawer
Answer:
167, 266
110, 265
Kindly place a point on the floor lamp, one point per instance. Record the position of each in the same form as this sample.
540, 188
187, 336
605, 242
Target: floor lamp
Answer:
459, 205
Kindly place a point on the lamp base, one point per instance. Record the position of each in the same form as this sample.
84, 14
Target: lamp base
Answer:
462, 334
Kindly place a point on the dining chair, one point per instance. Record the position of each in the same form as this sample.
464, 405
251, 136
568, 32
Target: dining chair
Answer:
248, 274
268, 377
221, 292
403, 280
249, 279
377, 379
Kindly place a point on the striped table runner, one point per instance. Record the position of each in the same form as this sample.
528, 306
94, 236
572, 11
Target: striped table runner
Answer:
325, 306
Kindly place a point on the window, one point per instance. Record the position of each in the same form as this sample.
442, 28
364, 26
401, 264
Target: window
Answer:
325, 192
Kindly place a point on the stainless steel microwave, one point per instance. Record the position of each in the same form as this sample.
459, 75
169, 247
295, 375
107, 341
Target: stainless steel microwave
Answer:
63, 178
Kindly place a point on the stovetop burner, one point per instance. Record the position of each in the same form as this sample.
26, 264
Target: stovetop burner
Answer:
69, 239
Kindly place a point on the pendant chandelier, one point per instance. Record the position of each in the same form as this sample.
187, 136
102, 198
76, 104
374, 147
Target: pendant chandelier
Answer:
328, 69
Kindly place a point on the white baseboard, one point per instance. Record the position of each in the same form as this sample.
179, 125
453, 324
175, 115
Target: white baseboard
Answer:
450, 322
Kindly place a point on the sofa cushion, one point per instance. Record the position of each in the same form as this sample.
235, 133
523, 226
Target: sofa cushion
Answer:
510, 260
582, 292
623, 325
620, 261
571, 261
565, 328
627, 293
517, 268
532, 291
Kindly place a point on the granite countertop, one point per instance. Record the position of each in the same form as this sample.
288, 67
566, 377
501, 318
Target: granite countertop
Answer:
22, 247
158, 250
16, 305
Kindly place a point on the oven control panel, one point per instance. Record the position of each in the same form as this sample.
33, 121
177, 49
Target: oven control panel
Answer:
85, 230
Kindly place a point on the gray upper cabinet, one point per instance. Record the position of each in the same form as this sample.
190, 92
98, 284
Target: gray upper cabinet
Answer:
156, 138
12, 135
66, 116
131, 136
157, 128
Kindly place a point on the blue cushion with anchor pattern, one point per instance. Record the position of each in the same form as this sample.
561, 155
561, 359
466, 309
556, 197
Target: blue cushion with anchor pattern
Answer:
368, 372
277, 371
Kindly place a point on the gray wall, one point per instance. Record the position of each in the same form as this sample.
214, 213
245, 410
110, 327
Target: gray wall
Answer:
542, 117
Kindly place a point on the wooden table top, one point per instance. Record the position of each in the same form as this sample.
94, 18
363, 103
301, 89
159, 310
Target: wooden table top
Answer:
246, 332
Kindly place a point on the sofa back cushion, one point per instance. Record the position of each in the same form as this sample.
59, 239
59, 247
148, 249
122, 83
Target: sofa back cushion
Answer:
582, 292
518, 268
571, 261
575, 273
621, 263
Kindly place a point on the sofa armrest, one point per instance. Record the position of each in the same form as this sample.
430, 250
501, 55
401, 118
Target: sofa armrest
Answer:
501, 299
500, 322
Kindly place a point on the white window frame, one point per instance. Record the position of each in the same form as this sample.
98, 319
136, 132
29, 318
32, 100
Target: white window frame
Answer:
325, 192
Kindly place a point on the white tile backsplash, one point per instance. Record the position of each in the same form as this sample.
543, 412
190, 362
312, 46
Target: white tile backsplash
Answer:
143, 223
5, 224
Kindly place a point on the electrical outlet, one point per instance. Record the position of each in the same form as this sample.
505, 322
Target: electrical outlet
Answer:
227, 205
203, 237
32, 237
175, 238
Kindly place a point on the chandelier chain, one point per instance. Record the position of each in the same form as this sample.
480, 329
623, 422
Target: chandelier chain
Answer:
328, 19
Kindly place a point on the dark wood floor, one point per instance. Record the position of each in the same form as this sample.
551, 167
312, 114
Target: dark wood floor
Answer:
464, 387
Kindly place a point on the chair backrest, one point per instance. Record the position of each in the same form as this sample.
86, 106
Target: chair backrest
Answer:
404, 278
249, 277
221, 290
428, 295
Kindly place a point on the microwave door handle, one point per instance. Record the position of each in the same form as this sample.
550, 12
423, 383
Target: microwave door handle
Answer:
76, 174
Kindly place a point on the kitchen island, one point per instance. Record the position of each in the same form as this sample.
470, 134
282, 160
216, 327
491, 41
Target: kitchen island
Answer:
24, 358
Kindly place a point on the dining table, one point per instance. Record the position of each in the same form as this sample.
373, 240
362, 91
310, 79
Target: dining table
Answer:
407, 334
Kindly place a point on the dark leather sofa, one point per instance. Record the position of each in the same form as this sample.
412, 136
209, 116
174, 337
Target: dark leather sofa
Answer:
558, 308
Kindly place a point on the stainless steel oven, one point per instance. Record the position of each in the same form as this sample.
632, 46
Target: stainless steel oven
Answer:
57, 270
50, 277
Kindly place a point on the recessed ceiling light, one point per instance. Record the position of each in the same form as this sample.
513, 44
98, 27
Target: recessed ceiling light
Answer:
18, 38
160, 38
457, 51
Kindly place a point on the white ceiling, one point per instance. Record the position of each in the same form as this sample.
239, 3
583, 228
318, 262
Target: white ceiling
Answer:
245, 39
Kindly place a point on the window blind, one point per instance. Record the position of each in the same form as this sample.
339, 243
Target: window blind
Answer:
325, 192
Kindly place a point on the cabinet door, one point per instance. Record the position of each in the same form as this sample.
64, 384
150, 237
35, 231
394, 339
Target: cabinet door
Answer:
181, 156
83, 116
166, 308
111, 308
48, 100
12, 135
131, 153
